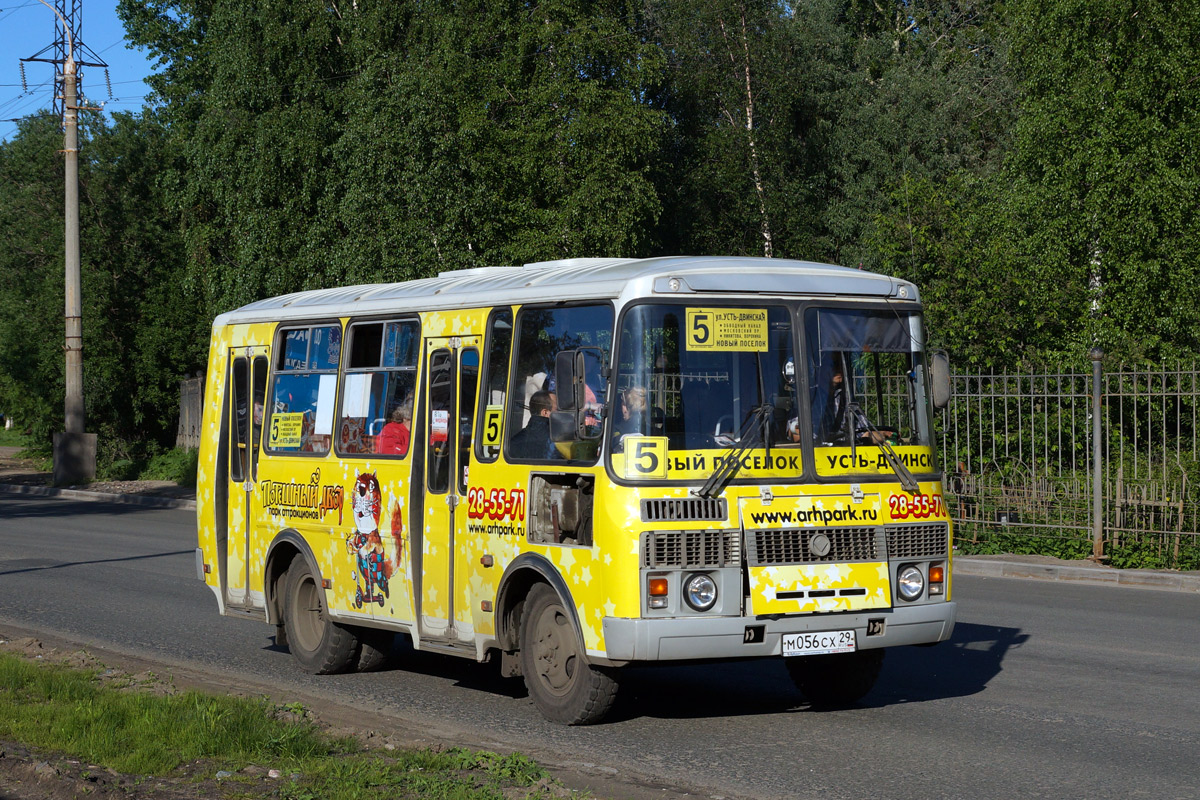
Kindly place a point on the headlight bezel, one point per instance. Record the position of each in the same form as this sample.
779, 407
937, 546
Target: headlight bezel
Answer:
704, 599
910, 583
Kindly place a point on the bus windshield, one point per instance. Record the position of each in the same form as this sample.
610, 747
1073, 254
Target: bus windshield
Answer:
703, 376
727, 382
866, 378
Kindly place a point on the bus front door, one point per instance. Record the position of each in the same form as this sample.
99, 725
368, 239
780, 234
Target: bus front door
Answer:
247, 387
451, 379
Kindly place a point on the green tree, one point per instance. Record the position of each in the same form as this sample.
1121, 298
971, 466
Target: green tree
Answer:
736, 100
921, 92
142, 332
333, 144
32, 276
144, 329
1104, 171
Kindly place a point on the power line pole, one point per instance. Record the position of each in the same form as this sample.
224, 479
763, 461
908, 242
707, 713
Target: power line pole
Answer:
74, 304
74, 450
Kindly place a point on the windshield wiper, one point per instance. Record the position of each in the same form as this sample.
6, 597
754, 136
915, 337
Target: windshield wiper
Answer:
752, 432
907, 480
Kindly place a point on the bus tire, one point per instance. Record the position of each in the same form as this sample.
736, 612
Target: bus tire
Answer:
320, 645
562, 684
835, 680
376, 648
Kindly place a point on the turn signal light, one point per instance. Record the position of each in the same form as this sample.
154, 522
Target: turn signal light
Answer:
658, 592
937, 576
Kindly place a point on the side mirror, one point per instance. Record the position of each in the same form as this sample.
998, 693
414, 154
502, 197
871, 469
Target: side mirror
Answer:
568, 380
572, 369
939, 378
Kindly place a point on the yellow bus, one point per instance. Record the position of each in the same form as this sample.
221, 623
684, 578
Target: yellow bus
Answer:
575, 466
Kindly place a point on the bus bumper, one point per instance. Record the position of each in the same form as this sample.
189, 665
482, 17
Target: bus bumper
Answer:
682, 638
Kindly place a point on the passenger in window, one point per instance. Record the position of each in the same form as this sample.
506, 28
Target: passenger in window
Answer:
258, 419
393, 439
634, 419
533, 441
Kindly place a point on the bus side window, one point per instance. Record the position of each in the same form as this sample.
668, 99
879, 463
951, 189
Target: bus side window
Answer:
490, 423
258, 411
303, 395
468, 382
441, 411
377, 393
542, 333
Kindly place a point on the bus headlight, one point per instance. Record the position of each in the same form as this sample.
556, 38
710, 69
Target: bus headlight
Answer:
910, 583
700, 592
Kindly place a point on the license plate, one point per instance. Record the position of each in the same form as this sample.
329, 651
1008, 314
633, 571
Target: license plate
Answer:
820, 643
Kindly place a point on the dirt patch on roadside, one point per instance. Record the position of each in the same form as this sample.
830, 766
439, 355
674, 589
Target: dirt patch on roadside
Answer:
21, 471
30, 775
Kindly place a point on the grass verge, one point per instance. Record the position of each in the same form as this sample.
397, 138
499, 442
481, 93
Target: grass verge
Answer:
232, 747
11, 437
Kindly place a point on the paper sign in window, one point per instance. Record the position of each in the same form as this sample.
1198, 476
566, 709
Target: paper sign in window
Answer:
740, 329
286, 430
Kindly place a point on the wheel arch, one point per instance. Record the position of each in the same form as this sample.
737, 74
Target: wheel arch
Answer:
287, 545
519, 578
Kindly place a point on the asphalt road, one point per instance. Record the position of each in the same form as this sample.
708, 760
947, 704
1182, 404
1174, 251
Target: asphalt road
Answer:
1047, 689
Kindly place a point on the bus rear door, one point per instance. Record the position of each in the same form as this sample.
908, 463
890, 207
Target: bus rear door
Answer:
247, 388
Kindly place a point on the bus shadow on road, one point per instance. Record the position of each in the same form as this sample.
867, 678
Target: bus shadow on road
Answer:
459, 672
961, 666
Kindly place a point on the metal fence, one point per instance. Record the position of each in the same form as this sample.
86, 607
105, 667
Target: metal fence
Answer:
1023, 461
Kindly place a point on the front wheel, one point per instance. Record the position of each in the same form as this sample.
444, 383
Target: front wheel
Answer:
318, 643
563, 686
836, 680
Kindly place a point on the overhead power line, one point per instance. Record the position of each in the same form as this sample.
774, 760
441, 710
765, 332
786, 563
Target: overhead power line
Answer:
68, 31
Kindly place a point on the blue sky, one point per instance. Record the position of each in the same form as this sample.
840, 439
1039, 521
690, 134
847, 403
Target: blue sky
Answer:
26, 26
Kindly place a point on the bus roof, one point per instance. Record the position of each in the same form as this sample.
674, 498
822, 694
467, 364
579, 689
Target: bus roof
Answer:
581, 279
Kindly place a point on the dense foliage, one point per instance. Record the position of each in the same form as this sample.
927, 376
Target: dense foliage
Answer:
1031, 165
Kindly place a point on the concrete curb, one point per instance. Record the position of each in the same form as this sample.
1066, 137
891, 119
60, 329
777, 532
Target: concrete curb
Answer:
1126, 578
142, 500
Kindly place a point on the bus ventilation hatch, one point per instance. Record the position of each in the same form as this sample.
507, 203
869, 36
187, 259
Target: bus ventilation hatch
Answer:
685, 509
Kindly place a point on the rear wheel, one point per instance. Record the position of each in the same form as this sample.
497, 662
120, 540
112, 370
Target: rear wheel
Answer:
836, 680
563, 686
376, 647
318, 643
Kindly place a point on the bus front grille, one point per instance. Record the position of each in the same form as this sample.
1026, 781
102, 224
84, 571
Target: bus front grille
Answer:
767, 548
691, 549
930, 540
